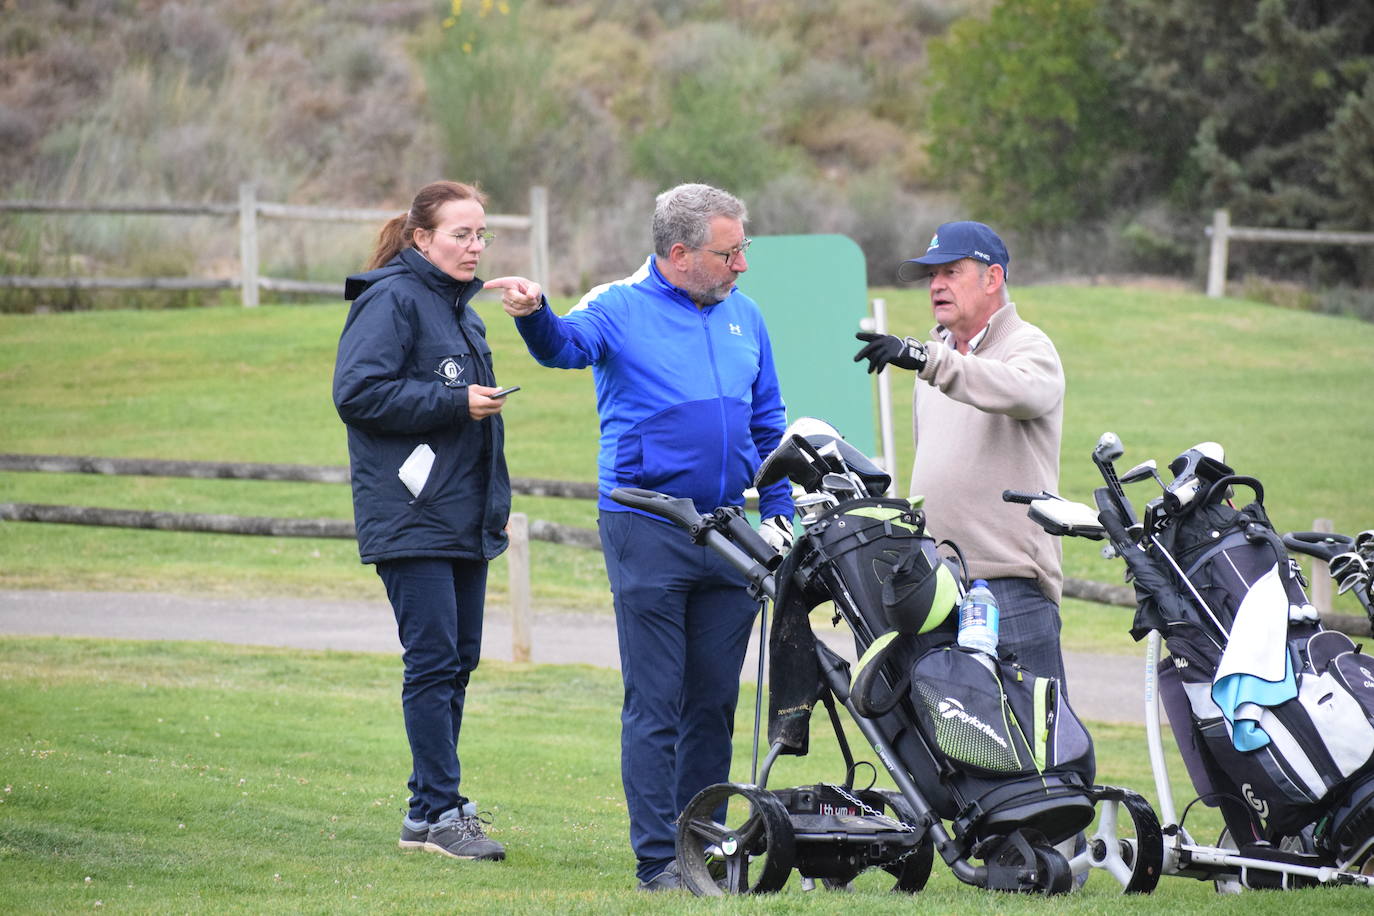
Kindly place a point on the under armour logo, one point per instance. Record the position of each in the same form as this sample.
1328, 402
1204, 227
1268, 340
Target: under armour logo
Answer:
734, 329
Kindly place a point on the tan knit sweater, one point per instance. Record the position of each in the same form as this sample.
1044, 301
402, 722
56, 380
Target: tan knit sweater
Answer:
985, 422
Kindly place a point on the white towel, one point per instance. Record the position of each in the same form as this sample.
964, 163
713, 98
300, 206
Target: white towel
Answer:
1255, 670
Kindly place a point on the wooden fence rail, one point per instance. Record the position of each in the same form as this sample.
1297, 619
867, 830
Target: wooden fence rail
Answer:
247, 470
537, 529
1222, 232
248, 210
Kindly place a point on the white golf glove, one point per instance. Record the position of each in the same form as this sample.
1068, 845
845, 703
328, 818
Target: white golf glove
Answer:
777, 531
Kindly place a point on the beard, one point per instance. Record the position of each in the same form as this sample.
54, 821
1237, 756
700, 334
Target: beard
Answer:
706, 291
713, 296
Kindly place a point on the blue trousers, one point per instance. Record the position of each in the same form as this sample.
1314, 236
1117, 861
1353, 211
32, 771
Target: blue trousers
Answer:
1029, 626
438, 605
683, 619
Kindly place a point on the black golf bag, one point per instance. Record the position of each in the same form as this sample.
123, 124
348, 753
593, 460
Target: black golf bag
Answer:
1273, 715
995, 750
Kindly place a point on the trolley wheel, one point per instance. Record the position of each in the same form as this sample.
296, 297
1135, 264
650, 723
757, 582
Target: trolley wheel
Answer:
754, 842
1053, 874
1134, 858
912, 872
1039, 867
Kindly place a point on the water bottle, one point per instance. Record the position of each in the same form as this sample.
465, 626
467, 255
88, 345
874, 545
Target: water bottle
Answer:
978, 618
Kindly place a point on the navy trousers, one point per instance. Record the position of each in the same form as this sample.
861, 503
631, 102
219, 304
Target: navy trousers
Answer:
438, 605
1029, 626
683, 619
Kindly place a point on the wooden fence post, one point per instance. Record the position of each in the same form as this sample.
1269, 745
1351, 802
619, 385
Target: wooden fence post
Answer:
1321, 573
518, 567
539, 235
248, 244
1216, 260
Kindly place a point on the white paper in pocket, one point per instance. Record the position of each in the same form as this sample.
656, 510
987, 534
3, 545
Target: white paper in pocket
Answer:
415, 470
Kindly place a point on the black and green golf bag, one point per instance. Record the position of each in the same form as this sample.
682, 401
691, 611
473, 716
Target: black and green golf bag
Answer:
992, 747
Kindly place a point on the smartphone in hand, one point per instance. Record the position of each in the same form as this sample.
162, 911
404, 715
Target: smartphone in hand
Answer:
503, 392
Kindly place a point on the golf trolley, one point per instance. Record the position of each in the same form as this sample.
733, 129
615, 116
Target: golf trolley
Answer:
1272, 714
991, 766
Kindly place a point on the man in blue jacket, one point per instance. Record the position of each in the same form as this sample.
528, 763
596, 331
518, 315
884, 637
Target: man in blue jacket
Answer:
689, 404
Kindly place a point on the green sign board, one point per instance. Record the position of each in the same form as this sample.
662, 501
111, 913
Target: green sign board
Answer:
813, 290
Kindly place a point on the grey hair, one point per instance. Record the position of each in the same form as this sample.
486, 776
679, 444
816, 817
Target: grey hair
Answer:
684, 213
983, 272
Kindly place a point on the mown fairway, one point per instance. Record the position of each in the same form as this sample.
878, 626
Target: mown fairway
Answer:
1285, 392
152, 777
183, 777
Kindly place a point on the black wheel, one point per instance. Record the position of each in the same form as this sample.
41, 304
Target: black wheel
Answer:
749, 851
912, 872
1052, 872
1131, 850
1031, 865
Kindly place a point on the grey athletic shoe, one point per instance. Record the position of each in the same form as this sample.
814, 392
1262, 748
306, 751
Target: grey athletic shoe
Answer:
667, 880
413, 837
462, 837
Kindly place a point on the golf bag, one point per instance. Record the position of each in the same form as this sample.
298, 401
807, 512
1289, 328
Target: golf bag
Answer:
1273, 715
993, 748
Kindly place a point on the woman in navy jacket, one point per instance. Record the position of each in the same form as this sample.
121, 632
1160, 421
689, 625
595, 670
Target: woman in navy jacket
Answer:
413, 383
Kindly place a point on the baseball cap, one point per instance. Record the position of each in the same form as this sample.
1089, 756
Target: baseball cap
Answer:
954, 242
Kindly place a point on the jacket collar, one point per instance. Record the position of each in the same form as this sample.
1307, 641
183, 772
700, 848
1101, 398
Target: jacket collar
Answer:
1001, 321
668, 288
410, 260
456, 291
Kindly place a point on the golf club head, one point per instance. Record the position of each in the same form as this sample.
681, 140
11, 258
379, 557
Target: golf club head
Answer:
1108, 448
1198, 467
1196, 457
1145, 469
1364, 543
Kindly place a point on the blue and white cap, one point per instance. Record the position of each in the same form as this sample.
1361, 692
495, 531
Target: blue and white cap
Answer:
954, 242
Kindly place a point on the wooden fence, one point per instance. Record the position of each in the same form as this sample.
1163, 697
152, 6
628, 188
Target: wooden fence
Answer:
521, 529
1222, 232
248, 211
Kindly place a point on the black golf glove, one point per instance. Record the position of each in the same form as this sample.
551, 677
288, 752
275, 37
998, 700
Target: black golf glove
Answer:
881, 349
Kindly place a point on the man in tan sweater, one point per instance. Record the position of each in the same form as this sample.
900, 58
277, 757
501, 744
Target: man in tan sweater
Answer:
987, 415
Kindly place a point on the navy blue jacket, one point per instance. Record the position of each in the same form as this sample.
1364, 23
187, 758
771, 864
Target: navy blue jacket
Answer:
408, 351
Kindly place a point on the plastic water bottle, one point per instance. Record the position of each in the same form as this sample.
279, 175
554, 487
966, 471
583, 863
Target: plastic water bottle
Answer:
978, 617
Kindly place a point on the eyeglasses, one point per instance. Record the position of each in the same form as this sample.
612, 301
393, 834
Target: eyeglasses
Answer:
729, 256
465, 237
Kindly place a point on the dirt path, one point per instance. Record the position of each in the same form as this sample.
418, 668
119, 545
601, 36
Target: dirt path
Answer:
1105, 688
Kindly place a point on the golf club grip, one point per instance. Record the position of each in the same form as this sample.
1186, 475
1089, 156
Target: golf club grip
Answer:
754, 571
1109, 514
1020, 496
743, 535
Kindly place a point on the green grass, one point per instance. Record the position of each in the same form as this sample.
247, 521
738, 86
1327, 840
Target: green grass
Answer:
185, 776
1282, 390
179, 777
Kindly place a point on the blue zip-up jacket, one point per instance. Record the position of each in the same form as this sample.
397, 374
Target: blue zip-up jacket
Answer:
688, 397
410, 347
